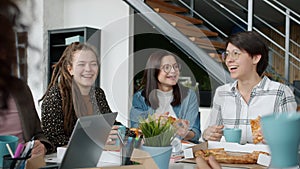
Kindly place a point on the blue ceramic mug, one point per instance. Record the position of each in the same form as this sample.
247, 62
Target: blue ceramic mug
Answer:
281, 132
160, 155
232, 134
7, 139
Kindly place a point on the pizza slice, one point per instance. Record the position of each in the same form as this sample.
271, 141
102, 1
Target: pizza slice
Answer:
208, 152
222, 156
255, 127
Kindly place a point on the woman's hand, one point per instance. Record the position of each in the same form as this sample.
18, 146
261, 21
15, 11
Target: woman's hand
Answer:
113, 135
213, 133
164, 115
38, 149
210, 164
182, 127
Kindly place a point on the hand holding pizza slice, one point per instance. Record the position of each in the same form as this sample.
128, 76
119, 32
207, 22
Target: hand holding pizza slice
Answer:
182, 127
256, 130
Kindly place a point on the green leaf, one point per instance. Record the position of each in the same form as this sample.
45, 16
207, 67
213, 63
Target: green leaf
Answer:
158, 132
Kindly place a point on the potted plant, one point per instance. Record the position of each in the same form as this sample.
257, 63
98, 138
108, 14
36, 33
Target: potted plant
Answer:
158, 132
158, 135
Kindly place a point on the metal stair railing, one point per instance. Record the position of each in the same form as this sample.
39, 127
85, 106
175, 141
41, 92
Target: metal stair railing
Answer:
287, 13
191, 8
288, 16
280, 4
277, 31
286, 49
268, 25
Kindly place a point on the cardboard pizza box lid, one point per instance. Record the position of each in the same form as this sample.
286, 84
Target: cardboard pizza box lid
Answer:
235, 147
206, 145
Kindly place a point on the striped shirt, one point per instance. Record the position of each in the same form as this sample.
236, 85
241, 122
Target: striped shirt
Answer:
267, 97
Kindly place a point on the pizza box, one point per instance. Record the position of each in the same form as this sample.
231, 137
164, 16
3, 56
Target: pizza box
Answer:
236, 147
229, 147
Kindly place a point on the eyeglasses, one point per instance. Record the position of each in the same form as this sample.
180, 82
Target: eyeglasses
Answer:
167, 67
235, 54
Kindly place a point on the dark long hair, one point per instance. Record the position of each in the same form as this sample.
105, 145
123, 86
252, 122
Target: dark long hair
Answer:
150, 80
253, 44
62, 78
9, 21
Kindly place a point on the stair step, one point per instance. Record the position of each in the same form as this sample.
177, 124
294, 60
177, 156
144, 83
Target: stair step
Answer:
206, 42
166, 6
174, 16
160, 0
208, 49
186, 25
191, 30
216, 56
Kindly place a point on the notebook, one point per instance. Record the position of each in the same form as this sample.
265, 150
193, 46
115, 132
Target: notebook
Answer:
87, 141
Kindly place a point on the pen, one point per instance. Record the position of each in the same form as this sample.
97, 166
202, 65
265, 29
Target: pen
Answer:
19, 150
28, 148
121, 139
128, 145
128, 150
9, 150
138, 142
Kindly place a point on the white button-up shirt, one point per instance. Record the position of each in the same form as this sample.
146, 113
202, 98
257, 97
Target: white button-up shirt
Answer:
267, 97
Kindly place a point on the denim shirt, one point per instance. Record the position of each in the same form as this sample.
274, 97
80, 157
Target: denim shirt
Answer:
188, 110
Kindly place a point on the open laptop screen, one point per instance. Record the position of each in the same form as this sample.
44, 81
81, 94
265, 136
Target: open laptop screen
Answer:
88, 140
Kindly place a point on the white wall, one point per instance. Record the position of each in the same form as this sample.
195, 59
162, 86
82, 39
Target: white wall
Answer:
107, 15
35, 37
41, 18
33, 13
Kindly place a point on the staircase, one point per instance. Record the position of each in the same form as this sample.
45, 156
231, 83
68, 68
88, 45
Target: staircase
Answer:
191, 27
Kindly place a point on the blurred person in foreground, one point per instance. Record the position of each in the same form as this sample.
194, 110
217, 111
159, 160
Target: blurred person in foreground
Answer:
211, 163
18, 115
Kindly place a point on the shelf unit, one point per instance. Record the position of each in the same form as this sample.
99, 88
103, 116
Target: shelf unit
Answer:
56, 43
19, 66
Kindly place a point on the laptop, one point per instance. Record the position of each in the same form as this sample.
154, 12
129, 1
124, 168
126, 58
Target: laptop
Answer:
87, 141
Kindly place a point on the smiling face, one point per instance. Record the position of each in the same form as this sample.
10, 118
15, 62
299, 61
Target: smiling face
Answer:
243, 66
84, 70
168, 80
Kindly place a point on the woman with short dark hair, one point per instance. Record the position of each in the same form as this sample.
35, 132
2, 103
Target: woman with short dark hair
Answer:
252, 94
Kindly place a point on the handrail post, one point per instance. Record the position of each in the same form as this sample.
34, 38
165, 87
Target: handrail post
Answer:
192, 5
250, 15
287, 45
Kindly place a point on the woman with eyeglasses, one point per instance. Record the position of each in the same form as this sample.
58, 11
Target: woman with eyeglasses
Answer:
251, 94
160, 94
